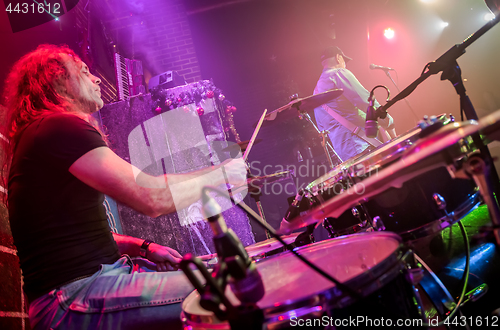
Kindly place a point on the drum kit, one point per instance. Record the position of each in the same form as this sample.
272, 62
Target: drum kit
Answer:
374, 206
407, 189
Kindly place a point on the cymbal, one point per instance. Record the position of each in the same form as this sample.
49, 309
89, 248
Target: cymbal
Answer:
431, 152
240, 146
307, 104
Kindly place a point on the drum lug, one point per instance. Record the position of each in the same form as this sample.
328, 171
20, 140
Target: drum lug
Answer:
377, 223
329, 228
414, 275
440, 201
355, 212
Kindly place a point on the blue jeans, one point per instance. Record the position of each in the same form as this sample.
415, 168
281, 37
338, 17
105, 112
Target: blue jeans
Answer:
118, 296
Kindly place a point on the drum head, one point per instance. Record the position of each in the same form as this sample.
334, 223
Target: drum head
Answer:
287, 279
289, 282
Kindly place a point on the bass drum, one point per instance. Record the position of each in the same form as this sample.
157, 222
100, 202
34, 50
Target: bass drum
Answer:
371, 264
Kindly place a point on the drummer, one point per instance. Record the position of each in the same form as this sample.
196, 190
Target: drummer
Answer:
344, 117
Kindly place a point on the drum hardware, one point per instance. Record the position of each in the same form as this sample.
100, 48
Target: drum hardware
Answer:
479, 168
414, 275
308, 104
363, 223
255, 184
436, 290
378, 225
475, 294
302, 113
439, 200
325, 143
255, 194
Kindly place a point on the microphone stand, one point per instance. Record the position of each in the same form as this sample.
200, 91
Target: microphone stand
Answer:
441, 64
232, 266
246, 316
388, 73
447, 64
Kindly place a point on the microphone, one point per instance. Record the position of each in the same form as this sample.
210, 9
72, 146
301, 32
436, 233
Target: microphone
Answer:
371, 125
380, 67
294, 208
245, 280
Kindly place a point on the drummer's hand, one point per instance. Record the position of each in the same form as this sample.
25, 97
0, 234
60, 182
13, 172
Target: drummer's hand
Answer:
236, 171
388, 124
165, 258
392, 132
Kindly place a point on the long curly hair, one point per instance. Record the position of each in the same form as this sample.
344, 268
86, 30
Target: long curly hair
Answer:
32, 91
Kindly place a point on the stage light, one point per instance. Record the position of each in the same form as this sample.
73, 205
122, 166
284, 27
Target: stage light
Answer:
489, 16
426, 1
444, 24
389, 33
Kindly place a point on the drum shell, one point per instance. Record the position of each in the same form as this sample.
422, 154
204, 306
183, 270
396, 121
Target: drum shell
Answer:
415, 204
351, 221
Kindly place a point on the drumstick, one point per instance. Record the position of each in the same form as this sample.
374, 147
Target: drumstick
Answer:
207, 257
252, 139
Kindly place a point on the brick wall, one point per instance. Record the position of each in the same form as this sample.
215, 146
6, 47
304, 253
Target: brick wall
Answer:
13, 314
156, 32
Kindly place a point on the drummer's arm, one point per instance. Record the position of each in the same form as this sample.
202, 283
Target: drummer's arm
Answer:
388, 124
392, 132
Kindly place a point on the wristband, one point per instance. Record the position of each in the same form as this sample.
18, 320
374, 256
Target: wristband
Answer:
144, 248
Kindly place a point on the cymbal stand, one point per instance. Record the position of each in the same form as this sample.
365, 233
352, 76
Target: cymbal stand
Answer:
307, 117
324, 135
256, 192
256, 197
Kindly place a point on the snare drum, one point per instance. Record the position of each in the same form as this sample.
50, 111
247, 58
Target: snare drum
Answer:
258, 250
270, 246
370, 263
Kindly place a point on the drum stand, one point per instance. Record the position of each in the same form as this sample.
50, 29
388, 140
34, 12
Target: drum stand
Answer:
479, 167
256, 192
323, 134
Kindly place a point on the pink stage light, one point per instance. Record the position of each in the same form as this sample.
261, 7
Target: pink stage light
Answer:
389, 33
